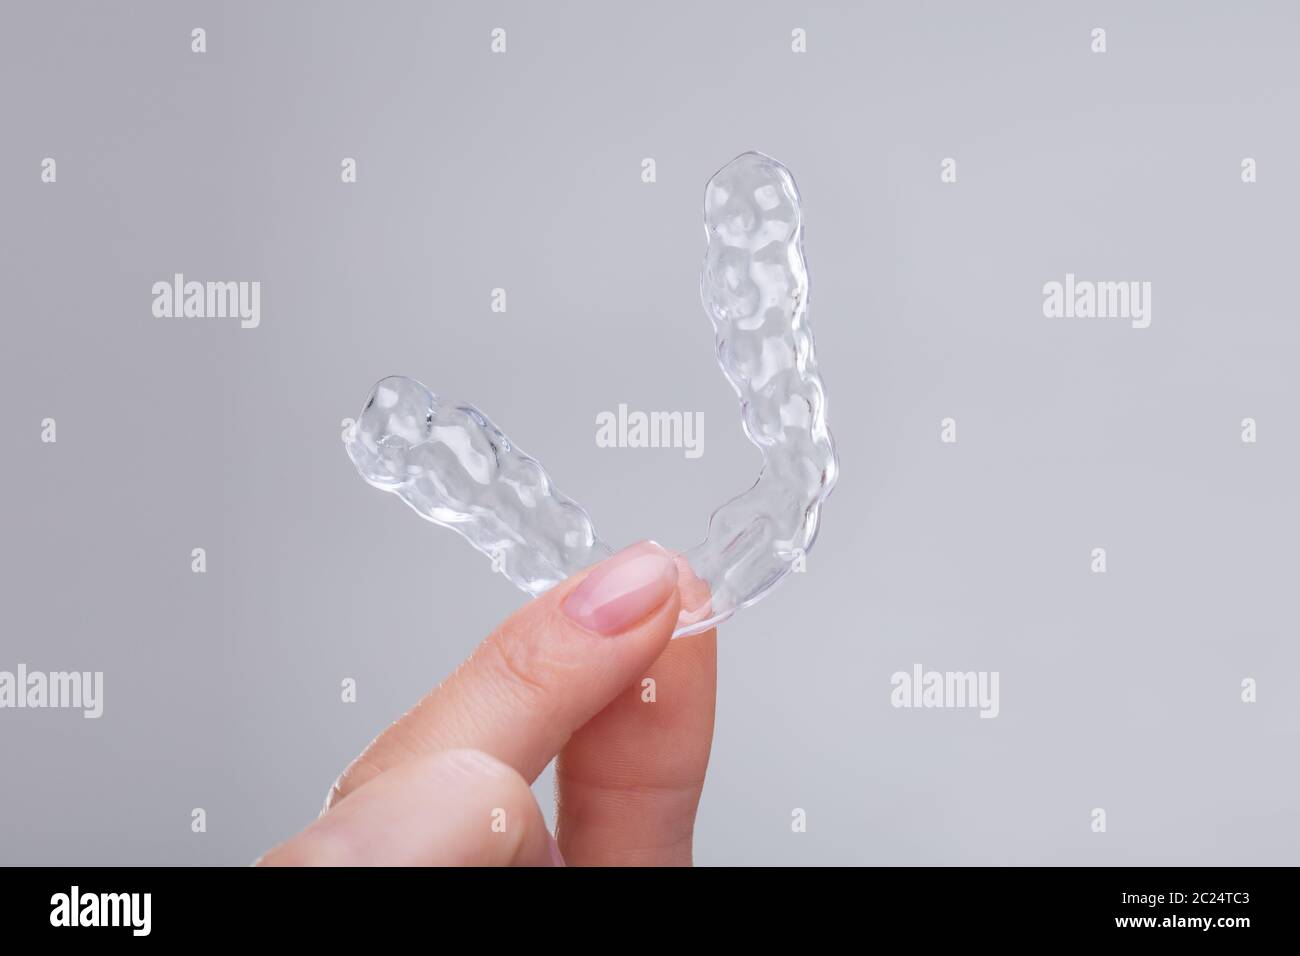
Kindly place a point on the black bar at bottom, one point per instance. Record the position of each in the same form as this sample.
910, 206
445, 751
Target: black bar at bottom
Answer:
333, 906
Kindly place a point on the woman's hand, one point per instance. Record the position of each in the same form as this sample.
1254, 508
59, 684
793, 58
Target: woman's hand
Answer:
448, 784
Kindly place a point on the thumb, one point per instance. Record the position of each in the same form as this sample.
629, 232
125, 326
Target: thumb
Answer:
453, 808
542, 674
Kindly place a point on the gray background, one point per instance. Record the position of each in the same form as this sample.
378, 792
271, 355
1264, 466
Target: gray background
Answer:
522, 171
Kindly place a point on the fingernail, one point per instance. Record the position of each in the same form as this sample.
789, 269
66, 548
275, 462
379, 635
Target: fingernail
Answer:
557, 858
623, 589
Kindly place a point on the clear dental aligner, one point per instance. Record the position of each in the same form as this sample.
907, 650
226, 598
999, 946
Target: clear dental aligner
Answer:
455, 468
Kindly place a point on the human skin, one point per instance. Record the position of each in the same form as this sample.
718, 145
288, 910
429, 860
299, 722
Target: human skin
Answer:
562, 677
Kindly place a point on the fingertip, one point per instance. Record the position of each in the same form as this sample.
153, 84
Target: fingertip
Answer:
458, 807
623, 590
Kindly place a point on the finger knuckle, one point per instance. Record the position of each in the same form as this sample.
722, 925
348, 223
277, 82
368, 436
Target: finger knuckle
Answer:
524, 667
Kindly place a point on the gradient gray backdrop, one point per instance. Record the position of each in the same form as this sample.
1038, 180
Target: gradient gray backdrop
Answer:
522, 171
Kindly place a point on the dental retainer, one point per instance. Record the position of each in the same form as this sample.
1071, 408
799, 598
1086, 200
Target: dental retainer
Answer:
451, 464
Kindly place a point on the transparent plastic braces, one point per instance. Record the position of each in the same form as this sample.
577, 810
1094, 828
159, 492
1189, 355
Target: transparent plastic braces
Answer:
451, 464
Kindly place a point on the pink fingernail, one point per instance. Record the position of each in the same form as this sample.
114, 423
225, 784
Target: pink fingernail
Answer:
623, 589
